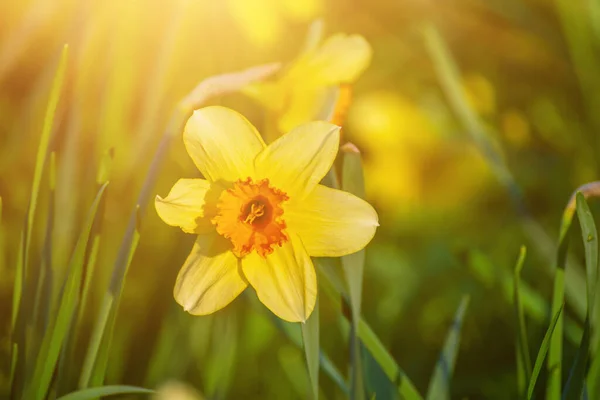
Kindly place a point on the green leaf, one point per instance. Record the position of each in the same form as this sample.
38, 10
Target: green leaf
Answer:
575, 385
539, 361
353, 266
97, 392
53, 339
590, 243
523, 355
43, 295
96, 358
439, 386
554, 365
43, 146
310, 339
21, 313
376, 382
102, 176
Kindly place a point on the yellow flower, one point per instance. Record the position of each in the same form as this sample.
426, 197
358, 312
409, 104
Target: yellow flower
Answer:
260, 214
316, 85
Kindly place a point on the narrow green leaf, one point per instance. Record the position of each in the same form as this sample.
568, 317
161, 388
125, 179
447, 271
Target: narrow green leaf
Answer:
53, 339
575, 386
95, 341
554, 365
17, 293
523, 355
105, 167
97, 392
353, 266
439, 386
310, 339
18, 286
20, 324
376, 382
539, 361
590, 243
593, 377
96, 358
43, 146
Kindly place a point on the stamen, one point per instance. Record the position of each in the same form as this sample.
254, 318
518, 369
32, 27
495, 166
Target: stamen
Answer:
256, 211
250, 215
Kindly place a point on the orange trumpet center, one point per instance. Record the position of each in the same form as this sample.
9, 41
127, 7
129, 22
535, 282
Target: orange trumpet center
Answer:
250, 216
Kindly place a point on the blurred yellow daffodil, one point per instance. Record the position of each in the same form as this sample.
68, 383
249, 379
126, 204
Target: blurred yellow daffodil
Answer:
316, 85
260, 214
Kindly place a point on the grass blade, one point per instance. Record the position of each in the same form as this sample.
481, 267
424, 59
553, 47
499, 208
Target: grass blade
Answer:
353, 266
43, 147
96, 358
17, 291
575, 386
19, 316
554, 365
53, 339
590, 242
97, 392
102, 176
539, 361
310, 339
523, 355
439, 387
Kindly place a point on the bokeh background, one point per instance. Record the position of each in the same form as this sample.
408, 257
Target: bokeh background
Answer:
454, 209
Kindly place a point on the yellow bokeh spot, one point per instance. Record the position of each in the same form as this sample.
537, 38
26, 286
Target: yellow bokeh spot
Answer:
301, 10
259, 19
430, 171
388, 121
480, 94
515, 128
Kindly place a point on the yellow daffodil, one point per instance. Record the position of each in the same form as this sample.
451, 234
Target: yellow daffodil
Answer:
260, 214
316, 85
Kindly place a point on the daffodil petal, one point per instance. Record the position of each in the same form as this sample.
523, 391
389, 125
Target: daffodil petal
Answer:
186, 206
298, 160
341, 59
222, 143
331, 223
285, 280
210, 277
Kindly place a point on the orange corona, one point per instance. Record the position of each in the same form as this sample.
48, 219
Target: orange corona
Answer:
251, 217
